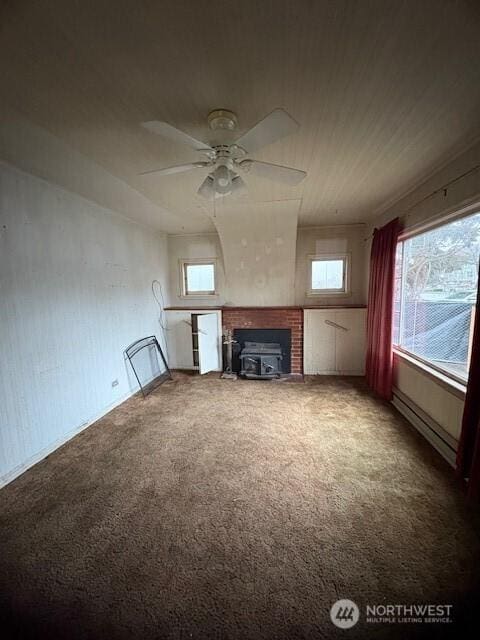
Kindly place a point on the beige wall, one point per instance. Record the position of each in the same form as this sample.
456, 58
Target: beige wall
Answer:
348, 239
426, 203
259, 252
332, 239
195, 246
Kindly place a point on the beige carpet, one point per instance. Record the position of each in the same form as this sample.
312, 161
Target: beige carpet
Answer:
220, 509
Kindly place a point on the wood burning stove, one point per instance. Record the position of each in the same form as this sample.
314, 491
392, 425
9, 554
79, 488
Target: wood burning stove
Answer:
261, 360
268, 336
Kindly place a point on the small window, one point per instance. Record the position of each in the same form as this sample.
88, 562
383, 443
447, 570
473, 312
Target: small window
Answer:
328, 275
198, 278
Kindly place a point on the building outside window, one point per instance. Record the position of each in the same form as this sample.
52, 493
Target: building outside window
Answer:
435, 295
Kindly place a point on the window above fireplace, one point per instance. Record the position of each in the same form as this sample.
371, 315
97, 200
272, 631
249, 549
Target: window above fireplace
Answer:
328, 274
198, 277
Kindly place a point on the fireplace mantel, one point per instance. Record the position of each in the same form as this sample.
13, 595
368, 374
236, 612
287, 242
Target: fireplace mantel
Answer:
230, 307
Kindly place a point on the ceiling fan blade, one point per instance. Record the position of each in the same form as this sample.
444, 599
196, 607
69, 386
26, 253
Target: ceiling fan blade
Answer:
167, 131
273, 127
206, 189
179, 168
276, 172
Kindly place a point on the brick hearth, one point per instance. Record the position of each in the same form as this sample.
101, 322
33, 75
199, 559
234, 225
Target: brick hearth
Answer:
270, 318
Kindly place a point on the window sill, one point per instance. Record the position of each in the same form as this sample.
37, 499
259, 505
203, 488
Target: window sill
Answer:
198, 296
328, 294
456, 388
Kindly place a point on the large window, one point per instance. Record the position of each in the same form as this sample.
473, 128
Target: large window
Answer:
198, 277
435, 295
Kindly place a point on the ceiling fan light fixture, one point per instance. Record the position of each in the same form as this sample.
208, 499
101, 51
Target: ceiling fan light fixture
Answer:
223, 179
246, 164
222, 119
238, 186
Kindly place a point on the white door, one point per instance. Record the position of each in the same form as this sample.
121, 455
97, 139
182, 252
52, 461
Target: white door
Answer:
350, 341
179, 339
208, 340
319, 335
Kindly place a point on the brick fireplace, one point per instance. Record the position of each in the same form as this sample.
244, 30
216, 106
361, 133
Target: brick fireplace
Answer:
270, 318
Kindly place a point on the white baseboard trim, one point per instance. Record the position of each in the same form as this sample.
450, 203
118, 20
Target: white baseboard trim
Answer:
336, 372
424, 424
46, 451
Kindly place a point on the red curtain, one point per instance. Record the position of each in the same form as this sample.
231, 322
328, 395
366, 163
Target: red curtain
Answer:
379, 363
468, 455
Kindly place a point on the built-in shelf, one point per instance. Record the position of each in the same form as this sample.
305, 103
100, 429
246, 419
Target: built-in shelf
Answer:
313, 306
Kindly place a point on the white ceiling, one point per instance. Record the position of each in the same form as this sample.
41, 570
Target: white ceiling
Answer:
385, 91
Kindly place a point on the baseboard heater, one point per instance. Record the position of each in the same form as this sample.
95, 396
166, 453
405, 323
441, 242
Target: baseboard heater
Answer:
443, 442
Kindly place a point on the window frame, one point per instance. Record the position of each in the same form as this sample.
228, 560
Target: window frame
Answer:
429, 367
186, 262
345, 290
441, 375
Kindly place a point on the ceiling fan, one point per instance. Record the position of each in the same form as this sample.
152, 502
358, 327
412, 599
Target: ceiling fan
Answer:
226, 156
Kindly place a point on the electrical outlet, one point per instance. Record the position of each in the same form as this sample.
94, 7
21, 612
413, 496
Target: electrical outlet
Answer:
115, 383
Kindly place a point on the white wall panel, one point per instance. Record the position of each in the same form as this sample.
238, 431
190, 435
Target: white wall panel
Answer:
334, 341
75, 290
350, 344
318, 342
444, 407
179, 338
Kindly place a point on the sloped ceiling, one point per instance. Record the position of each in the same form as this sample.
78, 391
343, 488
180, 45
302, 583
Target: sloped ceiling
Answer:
385, 90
